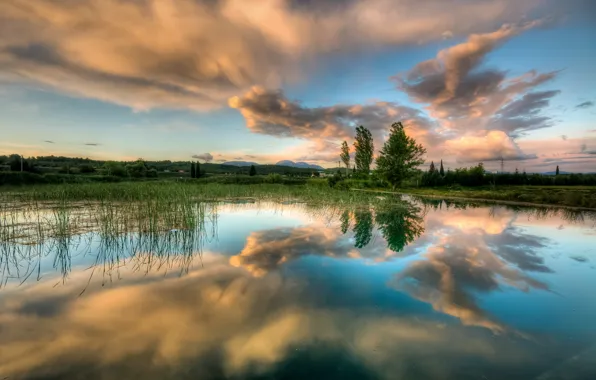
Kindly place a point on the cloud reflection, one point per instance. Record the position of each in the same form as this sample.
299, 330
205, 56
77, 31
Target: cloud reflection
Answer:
219, 323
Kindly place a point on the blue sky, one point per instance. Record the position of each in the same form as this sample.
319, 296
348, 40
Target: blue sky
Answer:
159, 87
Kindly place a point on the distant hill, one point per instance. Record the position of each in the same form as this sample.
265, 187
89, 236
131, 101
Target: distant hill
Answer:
302, 165
554, 173
239, 163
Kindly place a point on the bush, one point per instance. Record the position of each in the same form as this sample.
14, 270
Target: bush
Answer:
335, 179
21, 178
273, 178
86, 169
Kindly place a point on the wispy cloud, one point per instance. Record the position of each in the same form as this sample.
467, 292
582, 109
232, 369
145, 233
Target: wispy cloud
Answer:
92, 144
48, 141
206, 157
195, 54
272, 113
584, 105
480, 105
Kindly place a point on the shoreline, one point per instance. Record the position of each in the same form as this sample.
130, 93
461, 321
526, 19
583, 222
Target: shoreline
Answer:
481, 200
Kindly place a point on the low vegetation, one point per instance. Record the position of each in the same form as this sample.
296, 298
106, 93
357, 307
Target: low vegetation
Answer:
397, 168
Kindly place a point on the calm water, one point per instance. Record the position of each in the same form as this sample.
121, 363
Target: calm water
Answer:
272, 291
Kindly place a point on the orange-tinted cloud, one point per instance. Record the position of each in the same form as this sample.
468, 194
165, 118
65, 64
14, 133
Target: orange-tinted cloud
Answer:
272, 113
197, 53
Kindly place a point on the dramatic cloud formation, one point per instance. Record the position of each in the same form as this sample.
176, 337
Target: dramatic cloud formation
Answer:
207, 157
480, 105
495, 145
218, 322
197, 53
472, 253
270, 112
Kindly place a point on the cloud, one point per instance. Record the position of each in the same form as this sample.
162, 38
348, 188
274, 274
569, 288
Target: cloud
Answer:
48, 141
470, 101
92, 144
195, 54
456, 268
583, 105
207, 157
272, 113
495, 145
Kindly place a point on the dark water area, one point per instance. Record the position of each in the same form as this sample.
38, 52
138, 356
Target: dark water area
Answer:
433, 290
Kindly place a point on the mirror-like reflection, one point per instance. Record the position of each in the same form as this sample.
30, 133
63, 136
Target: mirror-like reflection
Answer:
428, 290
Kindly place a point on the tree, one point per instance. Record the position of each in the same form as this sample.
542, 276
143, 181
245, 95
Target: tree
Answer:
86, 168
441, 170
364, 149
345, 221
400, 156
557, 171
193, 170
363, 226
432, 167
345, 155
114, 168
137, 169
253, 171
400, 226
17, 163
198, 173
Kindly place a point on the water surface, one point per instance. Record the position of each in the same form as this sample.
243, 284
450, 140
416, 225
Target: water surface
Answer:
433, 290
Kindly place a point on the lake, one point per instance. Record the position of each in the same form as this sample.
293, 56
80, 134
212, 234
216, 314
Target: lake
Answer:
427, 290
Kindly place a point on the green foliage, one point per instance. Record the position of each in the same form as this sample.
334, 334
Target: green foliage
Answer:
193, 170
335, 179
86, 169
198, 171
253, 171
400, 226
441, 170
274, 178
113, 168
345, 155
345, 221
363, 226
152, 173
364, 149
138, 169
400, 156
18, 178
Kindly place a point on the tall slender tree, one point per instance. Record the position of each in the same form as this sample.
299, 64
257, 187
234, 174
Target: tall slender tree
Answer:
432, 167
198, 173
345, 155
364, 149
253, 171
400, 156
441, 170
192, 170
557, 171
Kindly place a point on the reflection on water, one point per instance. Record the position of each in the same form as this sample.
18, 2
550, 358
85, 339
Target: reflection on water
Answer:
430, 290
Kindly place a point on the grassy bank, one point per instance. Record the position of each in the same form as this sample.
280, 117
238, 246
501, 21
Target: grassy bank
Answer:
313, 191
576, 196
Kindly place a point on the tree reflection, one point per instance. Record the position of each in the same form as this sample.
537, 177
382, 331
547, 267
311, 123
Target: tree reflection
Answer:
345, 221
363, 227
400, 227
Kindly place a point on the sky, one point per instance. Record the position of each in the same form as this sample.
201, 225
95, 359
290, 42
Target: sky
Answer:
218, 80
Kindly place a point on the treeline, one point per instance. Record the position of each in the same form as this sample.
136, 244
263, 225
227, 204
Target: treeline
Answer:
477, 176
76, 165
